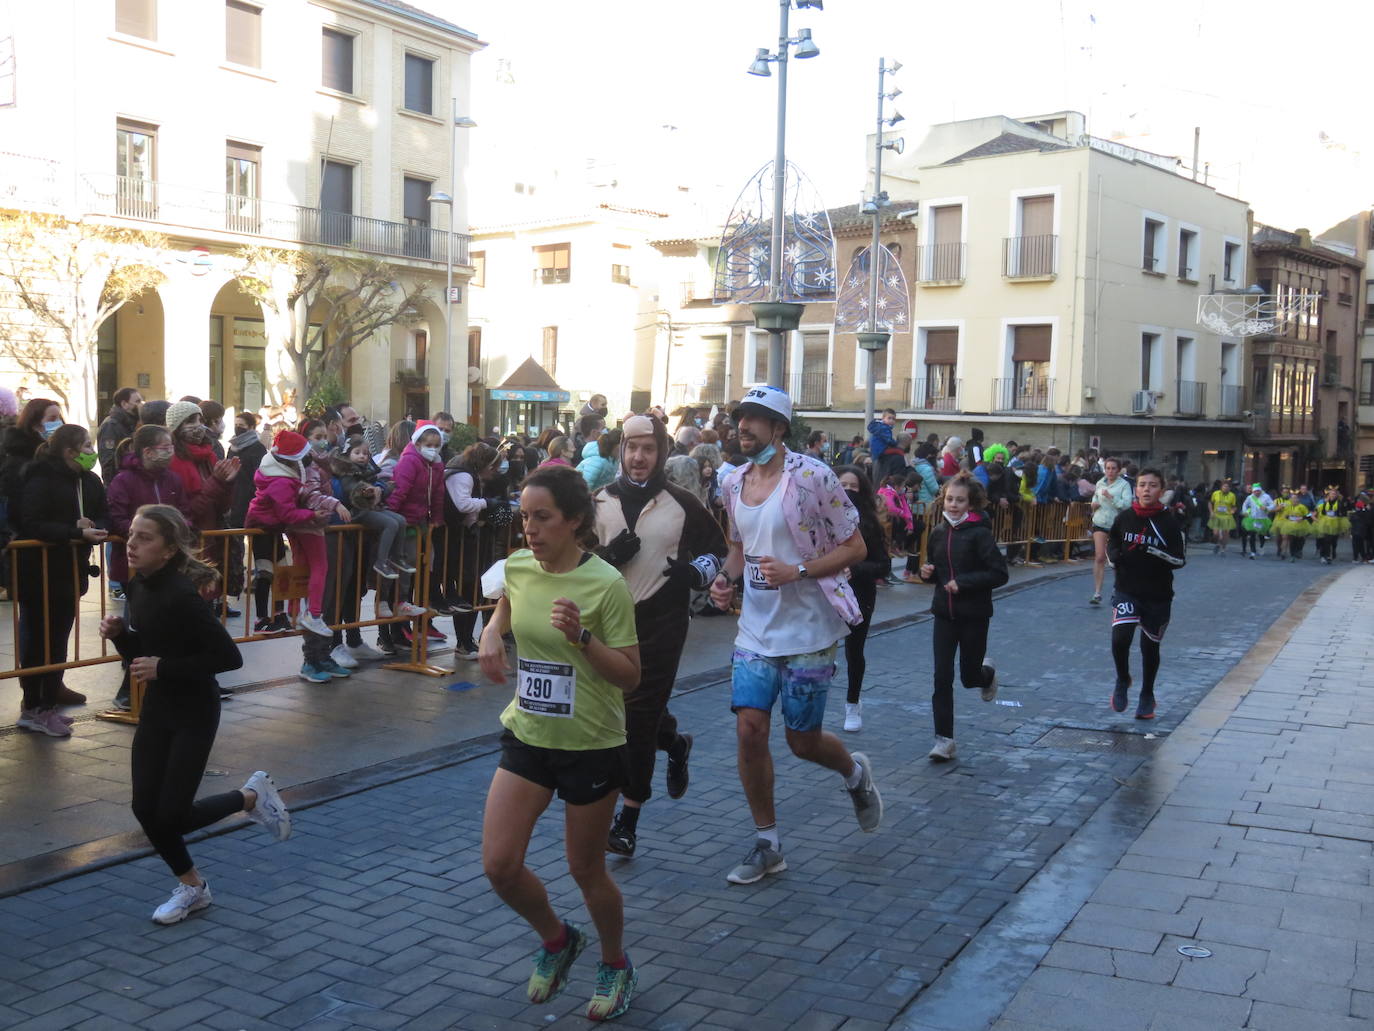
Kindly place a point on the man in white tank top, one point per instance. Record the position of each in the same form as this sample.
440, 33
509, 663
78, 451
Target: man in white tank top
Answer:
793, 535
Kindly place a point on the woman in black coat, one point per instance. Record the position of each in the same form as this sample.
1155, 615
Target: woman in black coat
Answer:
175, 645
59, 500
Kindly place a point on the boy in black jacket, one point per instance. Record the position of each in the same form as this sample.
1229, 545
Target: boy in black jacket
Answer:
966, 565
1145, 546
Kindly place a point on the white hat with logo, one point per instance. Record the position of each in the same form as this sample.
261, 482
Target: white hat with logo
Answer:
764, 400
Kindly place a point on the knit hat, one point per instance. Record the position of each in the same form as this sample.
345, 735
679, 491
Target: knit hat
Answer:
179, 413
290, 444
420, 428
646, 426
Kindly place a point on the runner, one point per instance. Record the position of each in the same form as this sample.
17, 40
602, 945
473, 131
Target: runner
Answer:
1111, 497
966, 566
793, 532
864, 577
1145, 549
1256, 512
665, 543
1330, 523
1223, 519
1292, 522
576, 658
175, 644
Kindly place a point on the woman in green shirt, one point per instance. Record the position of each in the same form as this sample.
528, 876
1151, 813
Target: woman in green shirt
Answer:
576, 656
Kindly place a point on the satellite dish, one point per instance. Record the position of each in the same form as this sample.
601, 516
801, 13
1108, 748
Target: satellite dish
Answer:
474, 374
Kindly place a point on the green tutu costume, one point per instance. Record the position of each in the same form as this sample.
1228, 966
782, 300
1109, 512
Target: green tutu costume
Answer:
1256, 524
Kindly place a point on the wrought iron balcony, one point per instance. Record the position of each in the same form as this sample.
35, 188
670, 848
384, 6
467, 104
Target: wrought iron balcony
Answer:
410, 372
934, 396
1026, 257
171, 206
940, 262
1191, 399
1232, 402
1013, 395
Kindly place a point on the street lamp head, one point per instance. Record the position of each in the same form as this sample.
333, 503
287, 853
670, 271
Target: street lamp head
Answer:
804, 4
894, 94
870, 207
896, 146
894, 66
439, 197
464, 122
760, 65
896, 117
806, 48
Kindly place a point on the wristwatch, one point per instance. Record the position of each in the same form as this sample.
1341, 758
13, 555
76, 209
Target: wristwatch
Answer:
802, 574
583, 639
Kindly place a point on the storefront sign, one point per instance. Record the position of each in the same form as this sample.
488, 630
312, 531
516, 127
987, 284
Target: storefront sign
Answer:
546, 396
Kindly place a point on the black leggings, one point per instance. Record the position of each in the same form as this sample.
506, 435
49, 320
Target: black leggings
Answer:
970, 638
1122, 636
1250, 541
40, 691
171, 746
854, 644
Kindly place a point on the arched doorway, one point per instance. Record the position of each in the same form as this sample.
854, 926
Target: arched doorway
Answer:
129, 351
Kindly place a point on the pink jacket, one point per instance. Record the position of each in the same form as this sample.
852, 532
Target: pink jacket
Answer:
418, 491
277, 503
898, 505
315, 493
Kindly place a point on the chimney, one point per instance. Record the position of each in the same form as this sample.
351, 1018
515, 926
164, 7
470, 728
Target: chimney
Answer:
1304, 237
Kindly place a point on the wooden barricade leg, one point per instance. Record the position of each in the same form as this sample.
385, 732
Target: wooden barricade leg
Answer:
419, 639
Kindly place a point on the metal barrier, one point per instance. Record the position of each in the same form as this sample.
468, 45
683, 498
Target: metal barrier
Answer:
451, 572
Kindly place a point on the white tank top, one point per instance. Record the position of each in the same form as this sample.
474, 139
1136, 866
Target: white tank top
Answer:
793, 619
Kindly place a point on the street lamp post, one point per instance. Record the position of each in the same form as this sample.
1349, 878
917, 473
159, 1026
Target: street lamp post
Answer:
777, 316
874, 341
456, 122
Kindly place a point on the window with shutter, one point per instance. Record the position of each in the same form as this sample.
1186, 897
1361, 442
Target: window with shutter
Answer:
336, 65
242, 34
136, 18
419, 84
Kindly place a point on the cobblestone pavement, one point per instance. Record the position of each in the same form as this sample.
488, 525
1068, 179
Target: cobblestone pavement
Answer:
376, 914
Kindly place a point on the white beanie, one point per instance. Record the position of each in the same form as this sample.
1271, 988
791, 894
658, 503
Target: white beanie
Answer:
179, 413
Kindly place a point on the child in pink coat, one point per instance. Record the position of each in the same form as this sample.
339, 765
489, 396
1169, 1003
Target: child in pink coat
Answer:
418, 494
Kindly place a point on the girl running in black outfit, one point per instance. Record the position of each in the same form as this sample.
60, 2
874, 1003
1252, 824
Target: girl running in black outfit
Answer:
174, 643
863, 579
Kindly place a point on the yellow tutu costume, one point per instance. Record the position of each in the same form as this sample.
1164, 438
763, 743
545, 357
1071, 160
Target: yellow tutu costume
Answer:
1223, 511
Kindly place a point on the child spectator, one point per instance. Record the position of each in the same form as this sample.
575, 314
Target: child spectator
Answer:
417, 493
358, 483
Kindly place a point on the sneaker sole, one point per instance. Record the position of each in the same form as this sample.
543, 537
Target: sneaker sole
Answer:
854, 729
616, 851
768, 871
1145, 715
194, 909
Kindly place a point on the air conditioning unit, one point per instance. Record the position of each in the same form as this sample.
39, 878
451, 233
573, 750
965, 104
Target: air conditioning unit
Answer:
1143, 402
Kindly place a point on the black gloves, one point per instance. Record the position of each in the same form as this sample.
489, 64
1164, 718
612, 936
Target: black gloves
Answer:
622, 547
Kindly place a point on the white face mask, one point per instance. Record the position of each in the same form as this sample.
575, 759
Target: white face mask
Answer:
429, 454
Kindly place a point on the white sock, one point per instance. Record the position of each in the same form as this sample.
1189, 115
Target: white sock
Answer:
855, 776
770, 835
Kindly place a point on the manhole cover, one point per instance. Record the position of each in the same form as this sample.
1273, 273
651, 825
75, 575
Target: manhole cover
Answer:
1080, 740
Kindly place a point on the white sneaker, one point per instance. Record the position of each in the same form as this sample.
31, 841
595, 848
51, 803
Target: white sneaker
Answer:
384, 610
344, 656
364, 651
269, 810
462, 650
853, 716
409, 610
186, 899
943, 750
313, 623
989, 682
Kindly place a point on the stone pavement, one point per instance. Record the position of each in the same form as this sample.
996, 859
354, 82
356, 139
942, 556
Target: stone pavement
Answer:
376, 914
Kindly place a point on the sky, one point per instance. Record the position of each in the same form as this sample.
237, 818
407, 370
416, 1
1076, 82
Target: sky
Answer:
656, 93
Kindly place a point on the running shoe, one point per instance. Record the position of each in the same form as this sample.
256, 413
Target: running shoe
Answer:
1096, 599
313, 623
550, 974
853, 716
1145, 707
435, 634
465, 650
1121, 694
30, 719
363, 650
281, 624
50, 722
989, 682
943, 750
186, 899
621, 839
763, 859
385, 647
342, 655
266, 625
385, 569
443, 606
403, 565
121, 705
328, 665
269, 810
314, 674
384, 610
868, 804
116, 592
678, 774
409, 610
615, 986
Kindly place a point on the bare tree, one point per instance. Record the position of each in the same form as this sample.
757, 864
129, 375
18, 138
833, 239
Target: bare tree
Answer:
59, 281
326, 305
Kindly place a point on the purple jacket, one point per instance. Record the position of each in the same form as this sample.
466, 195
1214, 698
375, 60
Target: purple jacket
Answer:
133, 487
418, 491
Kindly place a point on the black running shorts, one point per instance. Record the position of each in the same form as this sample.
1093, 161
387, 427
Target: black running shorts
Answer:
578, 777
1152, 614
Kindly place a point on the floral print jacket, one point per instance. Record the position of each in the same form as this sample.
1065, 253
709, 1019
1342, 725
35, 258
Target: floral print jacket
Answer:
819, 515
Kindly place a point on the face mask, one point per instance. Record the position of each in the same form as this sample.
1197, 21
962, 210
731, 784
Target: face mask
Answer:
429, 454
443, 437
86, 459
319, 446
504, 467
156, 460
765, 456
853, 496
49, 428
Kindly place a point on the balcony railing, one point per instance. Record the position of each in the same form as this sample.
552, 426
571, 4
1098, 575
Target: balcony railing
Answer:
1232, 402
1029, 256
1191, 400
811, 389
1276, 421
1344, 297
692, 293
150, 201
1013, 395
925, 395
940, 262
410, 372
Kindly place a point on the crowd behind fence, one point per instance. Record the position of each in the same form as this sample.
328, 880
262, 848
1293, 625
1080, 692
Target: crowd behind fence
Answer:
449, 563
